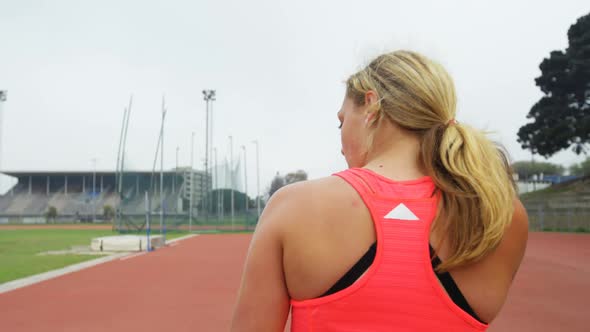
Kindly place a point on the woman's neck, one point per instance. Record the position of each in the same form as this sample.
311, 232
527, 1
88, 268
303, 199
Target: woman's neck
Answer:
396, 156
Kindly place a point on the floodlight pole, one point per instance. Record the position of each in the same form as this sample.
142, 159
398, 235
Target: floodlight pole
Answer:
192, 183
216, 183
257, 179
231, 178
245, 180
93, 189
162, 225
175, 172
3, 95
209, 97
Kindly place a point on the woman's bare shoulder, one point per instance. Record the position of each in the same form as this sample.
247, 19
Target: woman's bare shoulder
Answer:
513, 245
509, 253
302, 202
305, 188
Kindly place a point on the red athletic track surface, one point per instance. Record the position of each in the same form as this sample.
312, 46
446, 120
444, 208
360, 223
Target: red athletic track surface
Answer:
192, 287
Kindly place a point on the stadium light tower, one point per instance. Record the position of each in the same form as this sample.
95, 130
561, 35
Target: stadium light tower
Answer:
231, 178
192, 182
162, 224
257, 179
93, 189
175, 172
215, 183
3, 95
209, 97
245, 180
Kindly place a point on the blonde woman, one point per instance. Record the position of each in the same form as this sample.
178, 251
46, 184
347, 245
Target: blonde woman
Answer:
423, 232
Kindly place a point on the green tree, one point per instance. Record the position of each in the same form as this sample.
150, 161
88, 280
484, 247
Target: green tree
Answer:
582, 168
526, 169
299, 175
561, 118
108, 212
223, 196
277, 183
51, 214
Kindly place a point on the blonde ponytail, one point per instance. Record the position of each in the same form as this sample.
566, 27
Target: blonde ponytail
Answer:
469, 171
476, 190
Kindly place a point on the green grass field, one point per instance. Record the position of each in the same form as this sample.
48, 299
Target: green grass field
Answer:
19, 249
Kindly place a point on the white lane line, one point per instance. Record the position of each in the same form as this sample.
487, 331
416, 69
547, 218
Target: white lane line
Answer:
133, 256
23, 282
181, 238
27, 281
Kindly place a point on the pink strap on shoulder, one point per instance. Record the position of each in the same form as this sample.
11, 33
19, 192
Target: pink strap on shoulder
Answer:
357, 180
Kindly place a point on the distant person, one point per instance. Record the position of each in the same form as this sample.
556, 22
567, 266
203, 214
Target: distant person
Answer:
423, 232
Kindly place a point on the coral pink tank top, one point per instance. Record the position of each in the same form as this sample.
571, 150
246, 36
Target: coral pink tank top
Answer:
400, 291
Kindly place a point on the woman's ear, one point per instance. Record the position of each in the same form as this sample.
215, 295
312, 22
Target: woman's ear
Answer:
371, 98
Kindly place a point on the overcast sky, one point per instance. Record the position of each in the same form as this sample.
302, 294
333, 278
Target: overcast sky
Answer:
278, 68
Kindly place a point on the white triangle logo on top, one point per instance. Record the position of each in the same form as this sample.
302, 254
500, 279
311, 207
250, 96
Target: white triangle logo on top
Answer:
401, 212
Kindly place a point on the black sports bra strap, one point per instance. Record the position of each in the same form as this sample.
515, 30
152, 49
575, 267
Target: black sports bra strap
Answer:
451, 287
355, 272
445, 278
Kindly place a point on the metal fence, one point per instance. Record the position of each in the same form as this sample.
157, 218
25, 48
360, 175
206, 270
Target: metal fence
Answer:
137, 223
563, 217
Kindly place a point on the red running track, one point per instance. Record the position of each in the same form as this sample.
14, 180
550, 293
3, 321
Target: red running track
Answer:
192, 287
551, 291
186, 287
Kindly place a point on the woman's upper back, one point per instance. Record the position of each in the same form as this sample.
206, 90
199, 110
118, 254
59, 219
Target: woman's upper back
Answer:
398, 112
336, 228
